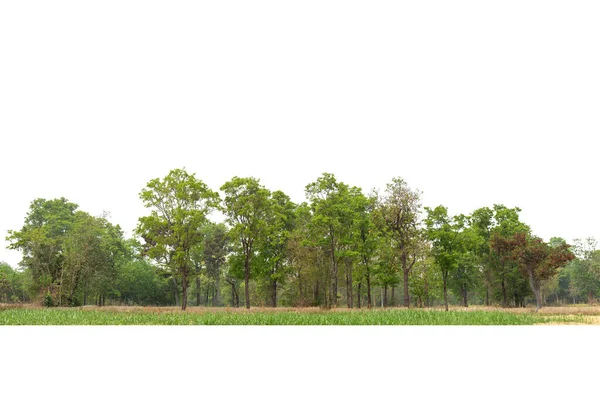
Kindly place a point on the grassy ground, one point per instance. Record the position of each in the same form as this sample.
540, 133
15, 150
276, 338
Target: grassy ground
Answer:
290, 316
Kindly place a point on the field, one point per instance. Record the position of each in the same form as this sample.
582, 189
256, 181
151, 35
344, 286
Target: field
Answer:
29, 315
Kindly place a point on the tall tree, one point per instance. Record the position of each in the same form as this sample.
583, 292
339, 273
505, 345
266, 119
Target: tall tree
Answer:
445, 235
246, 206
272, 251
330, 223
398, 215
366, 241
216, 249
506, 224
179, 204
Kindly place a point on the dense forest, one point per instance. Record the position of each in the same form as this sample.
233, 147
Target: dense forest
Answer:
339, 248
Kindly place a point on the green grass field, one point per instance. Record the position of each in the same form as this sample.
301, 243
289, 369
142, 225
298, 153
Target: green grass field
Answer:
169, 316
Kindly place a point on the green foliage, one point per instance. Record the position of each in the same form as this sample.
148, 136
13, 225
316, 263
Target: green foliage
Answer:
247, 206
179, 206
42, 237
48, 301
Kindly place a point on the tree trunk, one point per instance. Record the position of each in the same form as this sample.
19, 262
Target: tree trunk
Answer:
247, 276
184, 286
535, 288
590, 297
334, 267
406, 271
198, 295
504, 296
465, 296
274, 293
358, 294
218, 287
385, 300
176, 291
393, 297
368, 288
445, 280
349, 284
232, 292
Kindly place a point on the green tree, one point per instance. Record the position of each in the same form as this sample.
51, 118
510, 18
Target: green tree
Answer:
216, 250
585, 269
331, 224
272, 251
41, 240
246, 206
180, 204
447, 241
398, 216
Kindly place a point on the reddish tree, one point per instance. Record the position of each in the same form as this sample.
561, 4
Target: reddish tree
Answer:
538, 261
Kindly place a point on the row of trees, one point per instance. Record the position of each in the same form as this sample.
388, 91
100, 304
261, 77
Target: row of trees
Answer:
340, 246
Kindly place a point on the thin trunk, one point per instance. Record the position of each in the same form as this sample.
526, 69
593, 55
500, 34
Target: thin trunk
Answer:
465, 296
334, 267
445, 280
358, 294
385, 301
198, 295
487, 297
218, 285
504, 296
184, 286
176, 291
393, 297
300, 290
349, 284
274, 293
368, 287
406, 271
247, 274
590, 297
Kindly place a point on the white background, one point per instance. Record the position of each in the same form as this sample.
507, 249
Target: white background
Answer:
472, 102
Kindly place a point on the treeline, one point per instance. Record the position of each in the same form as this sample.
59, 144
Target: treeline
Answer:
341, 247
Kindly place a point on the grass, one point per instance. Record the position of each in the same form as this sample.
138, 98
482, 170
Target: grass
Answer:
285, 316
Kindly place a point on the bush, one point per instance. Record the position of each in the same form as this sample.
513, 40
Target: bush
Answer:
48, 302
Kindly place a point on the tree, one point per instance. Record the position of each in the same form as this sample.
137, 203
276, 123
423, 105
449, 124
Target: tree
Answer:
447, 247
246, 206
272, 251
85, 256
331, 224
504, 269
366, 241
465, 275
180, 204
538, 261
42, 238
306, 261
216, 249
398, 216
